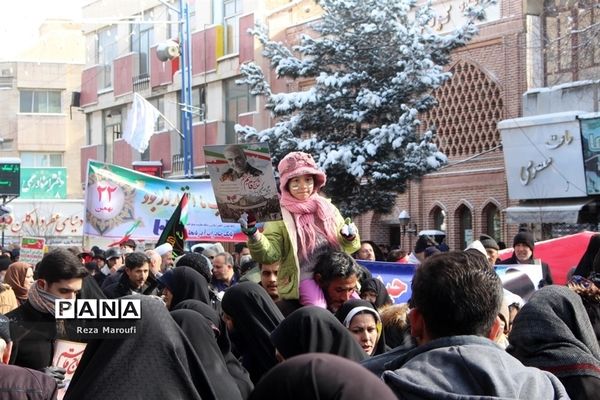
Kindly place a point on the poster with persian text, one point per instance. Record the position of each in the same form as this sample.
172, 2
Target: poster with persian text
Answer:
32, 250
120, 201
243, 181
67, 355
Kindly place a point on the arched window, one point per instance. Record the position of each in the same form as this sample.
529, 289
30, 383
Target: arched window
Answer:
439, 219
491, 218
465, 226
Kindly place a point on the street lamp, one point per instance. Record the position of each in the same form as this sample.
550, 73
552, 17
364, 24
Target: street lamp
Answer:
405, 225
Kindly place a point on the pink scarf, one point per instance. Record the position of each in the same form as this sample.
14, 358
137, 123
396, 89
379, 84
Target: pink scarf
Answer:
307, 226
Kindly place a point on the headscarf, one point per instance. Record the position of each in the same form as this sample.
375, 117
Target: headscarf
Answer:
586, 264
375, 285
255, 316
185, 283
201, 336
589, 292
15, 277
313, 217
553, 332
90, 289
157, 362
234, 367
315, 330
321, 376
356, 306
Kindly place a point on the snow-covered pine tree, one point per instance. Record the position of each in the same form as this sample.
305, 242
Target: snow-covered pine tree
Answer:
375, 65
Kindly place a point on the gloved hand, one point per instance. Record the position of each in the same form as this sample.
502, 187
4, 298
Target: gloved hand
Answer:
349, 230
56, 373
248, 224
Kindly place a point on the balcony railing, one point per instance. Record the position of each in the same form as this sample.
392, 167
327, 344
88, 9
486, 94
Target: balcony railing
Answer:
177, 163
141, 82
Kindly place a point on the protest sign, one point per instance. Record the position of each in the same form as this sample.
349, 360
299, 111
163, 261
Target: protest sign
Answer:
396, 277
116, 198
32, 250
67, 355
521, 279
243, 181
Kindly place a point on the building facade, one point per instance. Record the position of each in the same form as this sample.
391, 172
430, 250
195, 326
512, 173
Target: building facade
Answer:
40, 127
466, 198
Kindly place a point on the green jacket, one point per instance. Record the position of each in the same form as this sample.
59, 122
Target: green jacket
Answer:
279, 242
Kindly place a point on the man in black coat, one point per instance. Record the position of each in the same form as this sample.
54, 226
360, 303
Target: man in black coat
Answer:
135, 278
523, 245
16, 381
33, 325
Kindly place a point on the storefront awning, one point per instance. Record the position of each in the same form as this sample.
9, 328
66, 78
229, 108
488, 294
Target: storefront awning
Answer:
547, 212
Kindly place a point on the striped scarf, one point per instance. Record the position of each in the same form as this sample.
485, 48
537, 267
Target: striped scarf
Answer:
41, 300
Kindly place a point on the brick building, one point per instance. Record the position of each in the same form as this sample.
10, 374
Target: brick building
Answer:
534, 60
494, 79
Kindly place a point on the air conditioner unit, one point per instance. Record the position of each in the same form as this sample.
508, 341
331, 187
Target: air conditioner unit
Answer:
75, 99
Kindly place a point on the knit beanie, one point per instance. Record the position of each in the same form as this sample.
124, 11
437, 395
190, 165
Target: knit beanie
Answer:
297, 164
524, 237
488, 242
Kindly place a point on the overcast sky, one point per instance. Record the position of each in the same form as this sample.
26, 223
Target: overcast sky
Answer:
20, 20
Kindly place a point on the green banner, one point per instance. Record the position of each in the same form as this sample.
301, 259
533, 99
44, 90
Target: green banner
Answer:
44, 183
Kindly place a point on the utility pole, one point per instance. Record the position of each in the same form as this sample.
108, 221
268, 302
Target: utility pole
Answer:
185, 68
185, 45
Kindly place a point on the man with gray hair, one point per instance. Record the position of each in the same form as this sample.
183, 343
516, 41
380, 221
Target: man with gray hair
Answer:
238, 164
155, 262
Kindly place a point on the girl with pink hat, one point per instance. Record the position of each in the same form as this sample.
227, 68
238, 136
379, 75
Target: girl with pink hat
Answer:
309, 222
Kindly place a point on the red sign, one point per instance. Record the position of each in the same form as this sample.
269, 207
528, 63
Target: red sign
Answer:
153, 168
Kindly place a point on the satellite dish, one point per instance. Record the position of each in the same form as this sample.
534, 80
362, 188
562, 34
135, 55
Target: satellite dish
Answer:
167, 50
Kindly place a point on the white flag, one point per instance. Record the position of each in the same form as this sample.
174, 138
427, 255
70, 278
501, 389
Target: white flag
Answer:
140, 123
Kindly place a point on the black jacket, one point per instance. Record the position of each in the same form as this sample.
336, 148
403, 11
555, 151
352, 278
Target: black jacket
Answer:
33, 335
19, 383
123, 288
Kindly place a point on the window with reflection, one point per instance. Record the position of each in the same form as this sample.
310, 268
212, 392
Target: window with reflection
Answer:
439, 219
465, 223
491, 218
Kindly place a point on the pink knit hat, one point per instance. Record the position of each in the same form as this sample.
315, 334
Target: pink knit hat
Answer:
296, 164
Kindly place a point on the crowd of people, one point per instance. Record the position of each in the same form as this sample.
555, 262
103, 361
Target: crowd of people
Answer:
291, 314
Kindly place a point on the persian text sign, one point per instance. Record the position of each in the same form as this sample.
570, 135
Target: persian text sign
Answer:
10, 176
47, 218
44, 183
543, 156
32, 250
67, 355
116, 198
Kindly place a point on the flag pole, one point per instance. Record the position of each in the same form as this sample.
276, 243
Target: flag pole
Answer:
162, 115
186, 89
